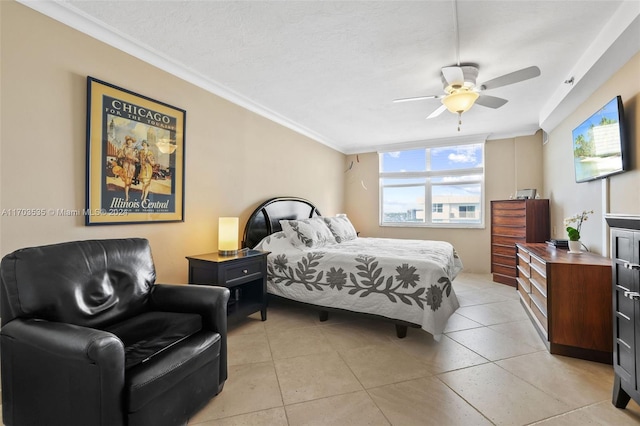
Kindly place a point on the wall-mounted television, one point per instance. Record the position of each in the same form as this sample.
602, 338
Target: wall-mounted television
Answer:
600, 143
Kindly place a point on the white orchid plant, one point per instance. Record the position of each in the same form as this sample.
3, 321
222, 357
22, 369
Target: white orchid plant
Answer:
574, 231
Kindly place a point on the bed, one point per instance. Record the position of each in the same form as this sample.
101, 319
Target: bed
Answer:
320, 261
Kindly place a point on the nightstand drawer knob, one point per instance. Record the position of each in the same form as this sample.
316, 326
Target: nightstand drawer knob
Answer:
632, 266
245, 271
633, 295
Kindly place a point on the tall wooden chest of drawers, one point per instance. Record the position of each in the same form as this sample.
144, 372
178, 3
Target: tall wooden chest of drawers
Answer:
515, 221
567, 297
625, 254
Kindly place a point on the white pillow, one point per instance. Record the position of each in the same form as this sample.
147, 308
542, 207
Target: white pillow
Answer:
311, 233
341, 228
276, 242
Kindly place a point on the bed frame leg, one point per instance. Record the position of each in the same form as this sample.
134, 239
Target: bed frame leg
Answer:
324, 315
401, 331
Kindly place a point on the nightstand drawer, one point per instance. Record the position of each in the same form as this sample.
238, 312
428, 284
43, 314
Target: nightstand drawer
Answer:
249, 270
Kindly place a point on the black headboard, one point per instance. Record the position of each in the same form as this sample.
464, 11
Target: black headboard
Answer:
265, 219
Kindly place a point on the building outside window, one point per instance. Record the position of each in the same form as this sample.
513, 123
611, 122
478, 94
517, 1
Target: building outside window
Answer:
433, 186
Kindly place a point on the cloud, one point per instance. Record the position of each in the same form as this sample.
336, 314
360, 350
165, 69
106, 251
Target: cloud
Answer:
463, 156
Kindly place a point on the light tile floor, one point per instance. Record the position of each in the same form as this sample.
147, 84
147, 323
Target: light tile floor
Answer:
490, 367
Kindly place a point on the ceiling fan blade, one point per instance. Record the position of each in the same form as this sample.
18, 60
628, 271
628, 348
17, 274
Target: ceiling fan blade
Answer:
418, 98
511, 78
491, 101
453, 75
437, 112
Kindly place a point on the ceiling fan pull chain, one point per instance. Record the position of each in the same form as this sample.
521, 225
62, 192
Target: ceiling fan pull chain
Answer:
459, 120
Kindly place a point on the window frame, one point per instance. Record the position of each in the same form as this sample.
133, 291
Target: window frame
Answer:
428, 175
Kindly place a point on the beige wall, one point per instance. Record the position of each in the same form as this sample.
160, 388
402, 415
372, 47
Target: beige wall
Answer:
502, 179
568, 197
234, 158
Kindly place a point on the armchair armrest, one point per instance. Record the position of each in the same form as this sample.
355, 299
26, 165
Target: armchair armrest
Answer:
69, 363
208, 301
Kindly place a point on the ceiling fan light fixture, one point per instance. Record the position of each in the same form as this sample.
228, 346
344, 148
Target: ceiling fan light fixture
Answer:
460, 101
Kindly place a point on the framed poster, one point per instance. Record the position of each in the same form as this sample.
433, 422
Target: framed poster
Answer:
135, 157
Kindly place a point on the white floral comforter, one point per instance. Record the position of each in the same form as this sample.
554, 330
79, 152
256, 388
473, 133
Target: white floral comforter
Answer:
408, 280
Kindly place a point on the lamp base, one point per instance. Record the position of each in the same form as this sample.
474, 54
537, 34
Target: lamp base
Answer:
227, 252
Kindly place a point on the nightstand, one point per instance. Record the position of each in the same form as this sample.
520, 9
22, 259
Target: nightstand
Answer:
244, 274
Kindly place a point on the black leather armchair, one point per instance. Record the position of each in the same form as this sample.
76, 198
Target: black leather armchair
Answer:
88, 338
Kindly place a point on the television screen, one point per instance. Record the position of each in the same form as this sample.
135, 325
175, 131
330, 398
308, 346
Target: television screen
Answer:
599, 143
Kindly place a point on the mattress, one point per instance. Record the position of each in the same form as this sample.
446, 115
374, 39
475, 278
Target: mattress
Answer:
407, 280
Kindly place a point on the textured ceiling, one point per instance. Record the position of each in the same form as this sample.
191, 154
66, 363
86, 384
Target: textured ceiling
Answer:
330, 69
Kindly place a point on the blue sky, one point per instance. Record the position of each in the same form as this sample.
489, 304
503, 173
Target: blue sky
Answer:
446, 158
610, 111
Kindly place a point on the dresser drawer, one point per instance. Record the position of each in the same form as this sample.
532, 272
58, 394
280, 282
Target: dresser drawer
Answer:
624, 329
514, 231
539, 281
540, 298
524, 256
507, 240
541, 317
539, 265
524, 271
623, 304
504, 260
503, 250
504, 207
504, 270
509, 217
523, 285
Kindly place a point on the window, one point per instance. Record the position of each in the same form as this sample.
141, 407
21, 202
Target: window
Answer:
433, 186
467, 211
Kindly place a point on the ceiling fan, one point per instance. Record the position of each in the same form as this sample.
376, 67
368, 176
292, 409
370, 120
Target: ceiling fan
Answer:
460, 89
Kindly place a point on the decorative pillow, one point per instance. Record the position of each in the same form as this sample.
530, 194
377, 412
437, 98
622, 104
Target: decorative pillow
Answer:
276, 242
341, 228
311, 233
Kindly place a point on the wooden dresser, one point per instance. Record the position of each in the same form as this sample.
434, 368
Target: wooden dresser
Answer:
568, 297
515, 221
625, 253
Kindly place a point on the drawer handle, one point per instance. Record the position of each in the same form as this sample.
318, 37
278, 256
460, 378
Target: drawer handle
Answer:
245, 271
632, 266
633, 295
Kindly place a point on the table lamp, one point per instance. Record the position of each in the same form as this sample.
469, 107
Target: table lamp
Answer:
227, 236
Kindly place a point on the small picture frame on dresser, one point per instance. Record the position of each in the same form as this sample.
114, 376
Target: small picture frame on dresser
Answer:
526, 194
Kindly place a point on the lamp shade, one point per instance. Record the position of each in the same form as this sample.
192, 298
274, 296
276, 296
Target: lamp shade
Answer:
227, 235
460, 101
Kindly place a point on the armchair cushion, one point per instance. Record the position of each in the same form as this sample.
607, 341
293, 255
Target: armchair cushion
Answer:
147, 334
169, 369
